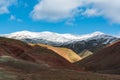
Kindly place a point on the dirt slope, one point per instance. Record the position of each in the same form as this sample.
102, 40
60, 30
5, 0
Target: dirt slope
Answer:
36, 54
68, 54
106, 60
20, 61
85, 53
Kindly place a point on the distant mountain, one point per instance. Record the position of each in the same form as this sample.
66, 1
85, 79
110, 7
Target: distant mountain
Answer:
77, 43
92, 44
106, 60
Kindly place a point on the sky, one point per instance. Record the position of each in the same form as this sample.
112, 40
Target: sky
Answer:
61, 16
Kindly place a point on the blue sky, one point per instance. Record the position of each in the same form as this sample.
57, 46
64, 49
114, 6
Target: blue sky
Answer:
62, 16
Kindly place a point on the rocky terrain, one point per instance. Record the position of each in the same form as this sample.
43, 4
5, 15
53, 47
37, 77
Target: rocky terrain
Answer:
106, 60
22, 61
92, 42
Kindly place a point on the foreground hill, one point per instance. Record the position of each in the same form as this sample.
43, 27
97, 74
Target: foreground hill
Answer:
68, 54
37, 53
77, 43
106, 60
20, 61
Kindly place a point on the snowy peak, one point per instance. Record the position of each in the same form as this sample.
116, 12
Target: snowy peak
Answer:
98, 33
21, 35
51, 36
77, 43
92, 35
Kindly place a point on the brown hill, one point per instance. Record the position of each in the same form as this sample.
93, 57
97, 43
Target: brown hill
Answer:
106, 60
15, 48
51, 58
68, 54
8, 63
37, 54
20, 61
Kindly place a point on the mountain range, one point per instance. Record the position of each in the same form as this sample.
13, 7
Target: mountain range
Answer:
92, 42
22, 61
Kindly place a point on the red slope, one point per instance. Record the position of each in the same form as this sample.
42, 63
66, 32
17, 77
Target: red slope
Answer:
37, 54
15, 49
106, 60
52, 58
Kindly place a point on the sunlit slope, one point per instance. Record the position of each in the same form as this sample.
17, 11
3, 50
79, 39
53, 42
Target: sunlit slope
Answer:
68, 54
20, 61
85, 53
33, 54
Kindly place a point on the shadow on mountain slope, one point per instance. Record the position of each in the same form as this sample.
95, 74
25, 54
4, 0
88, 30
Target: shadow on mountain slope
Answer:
20, 61
106, 60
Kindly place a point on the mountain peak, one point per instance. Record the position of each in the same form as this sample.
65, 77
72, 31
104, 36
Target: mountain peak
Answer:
98, 33
24, 31
54, 37
74, 42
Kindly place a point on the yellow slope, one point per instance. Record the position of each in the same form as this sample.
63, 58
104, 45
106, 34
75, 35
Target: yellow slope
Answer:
85, 53
68, 54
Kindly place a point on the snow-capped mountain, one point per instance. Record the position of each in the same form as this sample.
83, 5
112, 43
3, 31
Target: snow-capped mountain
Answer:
50, 36
75, 42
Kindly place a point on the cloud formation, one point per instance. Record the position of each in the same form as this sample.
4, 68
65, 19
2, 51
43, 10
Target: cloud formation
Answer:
13, 18
53, 10
109, 9
5, 4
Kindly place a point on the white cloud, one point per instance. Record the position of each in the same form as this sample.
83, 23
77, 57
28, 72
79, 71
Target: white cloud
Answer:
90, 12
54, 10
110, 9
5, 4
70, 22
13, 18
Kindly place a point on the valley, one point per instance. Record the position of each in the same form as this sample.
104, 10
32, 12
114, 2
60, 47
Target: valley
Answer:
21, 60
59, 39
